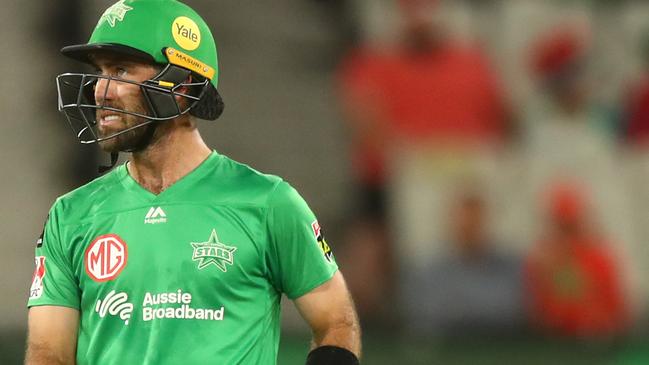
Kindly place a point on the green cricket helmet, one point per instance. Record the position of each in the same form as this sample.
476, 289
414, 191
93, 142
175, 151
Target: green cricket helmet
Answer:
165, 32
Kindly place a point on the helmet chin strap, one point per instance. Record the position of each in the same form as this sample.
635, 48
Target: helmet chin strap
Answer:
102, 169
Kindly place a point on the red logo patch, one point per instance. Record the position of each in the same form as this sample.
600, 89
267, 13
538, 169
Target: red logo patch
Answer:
105, 257
36, 290
315, 226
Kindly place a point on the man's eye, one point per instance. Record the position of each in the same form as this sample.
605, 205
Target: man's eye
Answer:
120, 71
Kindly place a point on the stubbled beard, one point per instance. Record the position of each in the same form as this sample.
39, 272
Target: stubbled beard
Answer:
132, 140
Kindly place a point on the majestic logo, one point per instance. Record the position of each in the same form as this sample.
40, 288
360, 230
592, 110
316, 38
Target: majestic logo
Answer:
186, 33
115, 304
319, 236
115, 13
155, 215
105, 257
213, 252
36, 290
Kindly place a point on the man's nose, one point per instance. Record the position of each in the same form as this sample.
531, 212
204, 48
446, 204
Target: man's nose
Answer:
104, 90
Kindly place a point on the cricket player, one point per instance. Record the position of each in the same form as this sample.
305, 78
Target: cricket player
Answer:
180, 255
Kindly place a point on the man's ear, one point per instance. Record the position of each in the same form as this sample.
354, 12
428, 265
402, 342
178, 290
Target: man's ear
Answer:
184, 90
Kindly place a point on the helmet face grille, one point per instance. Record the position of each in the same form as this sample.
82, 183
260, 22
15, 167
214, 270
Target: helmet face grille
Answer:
76, 99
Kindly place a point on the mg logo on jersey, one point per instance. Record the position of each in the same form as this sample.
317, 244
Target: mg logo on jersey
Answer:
155, 215
115, 304
105, 257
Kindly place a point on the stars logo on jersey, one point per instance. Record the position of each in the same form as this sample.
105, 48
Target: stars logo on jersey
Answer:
115, 13
326, 250
213, 252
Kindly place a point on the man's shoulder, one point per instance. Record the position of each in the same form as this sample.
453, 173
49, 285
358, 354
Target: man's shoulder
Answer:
236, 181
87, 195
243, 172
97, 185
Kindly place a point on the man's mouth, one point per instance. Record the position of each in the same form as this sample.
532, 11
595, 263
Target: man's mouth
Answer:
109, 120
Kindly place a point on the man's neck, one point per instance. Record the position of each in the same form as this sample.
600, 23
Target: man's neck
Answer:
175, 153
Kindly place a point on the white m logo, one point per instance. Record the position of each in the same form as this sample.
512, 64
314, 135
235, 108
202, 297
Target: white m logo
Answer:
155, 215
155, 212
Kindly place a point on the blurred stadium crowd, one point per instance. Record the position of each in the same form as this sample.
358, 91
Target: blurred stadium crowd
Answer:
500, 155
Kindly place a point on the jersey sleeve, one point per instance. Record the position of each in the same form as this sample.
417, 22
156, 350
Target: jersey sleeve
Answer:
299, 258
53, 282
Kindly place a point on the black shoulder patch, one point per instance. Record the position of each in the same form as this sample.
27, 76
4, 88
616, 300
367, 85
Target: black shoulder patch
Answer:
39, 241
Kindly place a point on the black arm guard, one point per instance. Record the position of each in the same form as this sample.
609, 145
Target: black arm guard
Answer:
331, 355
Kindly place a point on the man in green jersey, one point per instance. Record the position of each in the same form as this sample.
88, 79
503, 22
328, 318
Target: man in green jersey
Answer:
181, 255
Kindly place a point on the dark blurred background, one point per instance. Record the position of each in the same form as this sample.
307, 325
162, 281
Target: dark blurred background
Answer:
481, 168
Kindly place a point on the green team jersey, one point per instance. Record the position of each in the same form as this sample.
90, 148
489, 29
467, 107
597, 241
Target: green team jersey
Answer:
193, 275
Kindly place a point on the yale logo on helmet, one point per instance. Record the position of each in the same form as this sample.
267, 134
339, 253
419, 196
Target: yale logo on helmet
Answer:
115, 13
186, 33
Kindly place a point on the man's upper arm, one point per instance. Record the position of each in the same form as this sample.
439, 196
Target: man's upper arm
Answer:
54, 281
298, 256
329, 311
52, 335
54, 298
301, 264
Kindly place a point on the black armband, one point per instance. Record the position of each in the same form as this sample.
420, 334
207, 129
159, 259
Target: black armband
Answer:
331, 355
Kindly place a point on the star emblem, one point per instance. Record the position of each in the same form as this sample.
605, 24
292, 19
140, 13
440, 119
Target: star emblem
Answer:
115, 13
213, 252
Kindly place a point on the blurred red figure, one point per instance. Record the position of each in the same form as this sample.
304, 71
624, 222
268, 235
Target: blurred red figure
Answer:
637, 111
574, 285
426, 90
559, 61
638, 128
